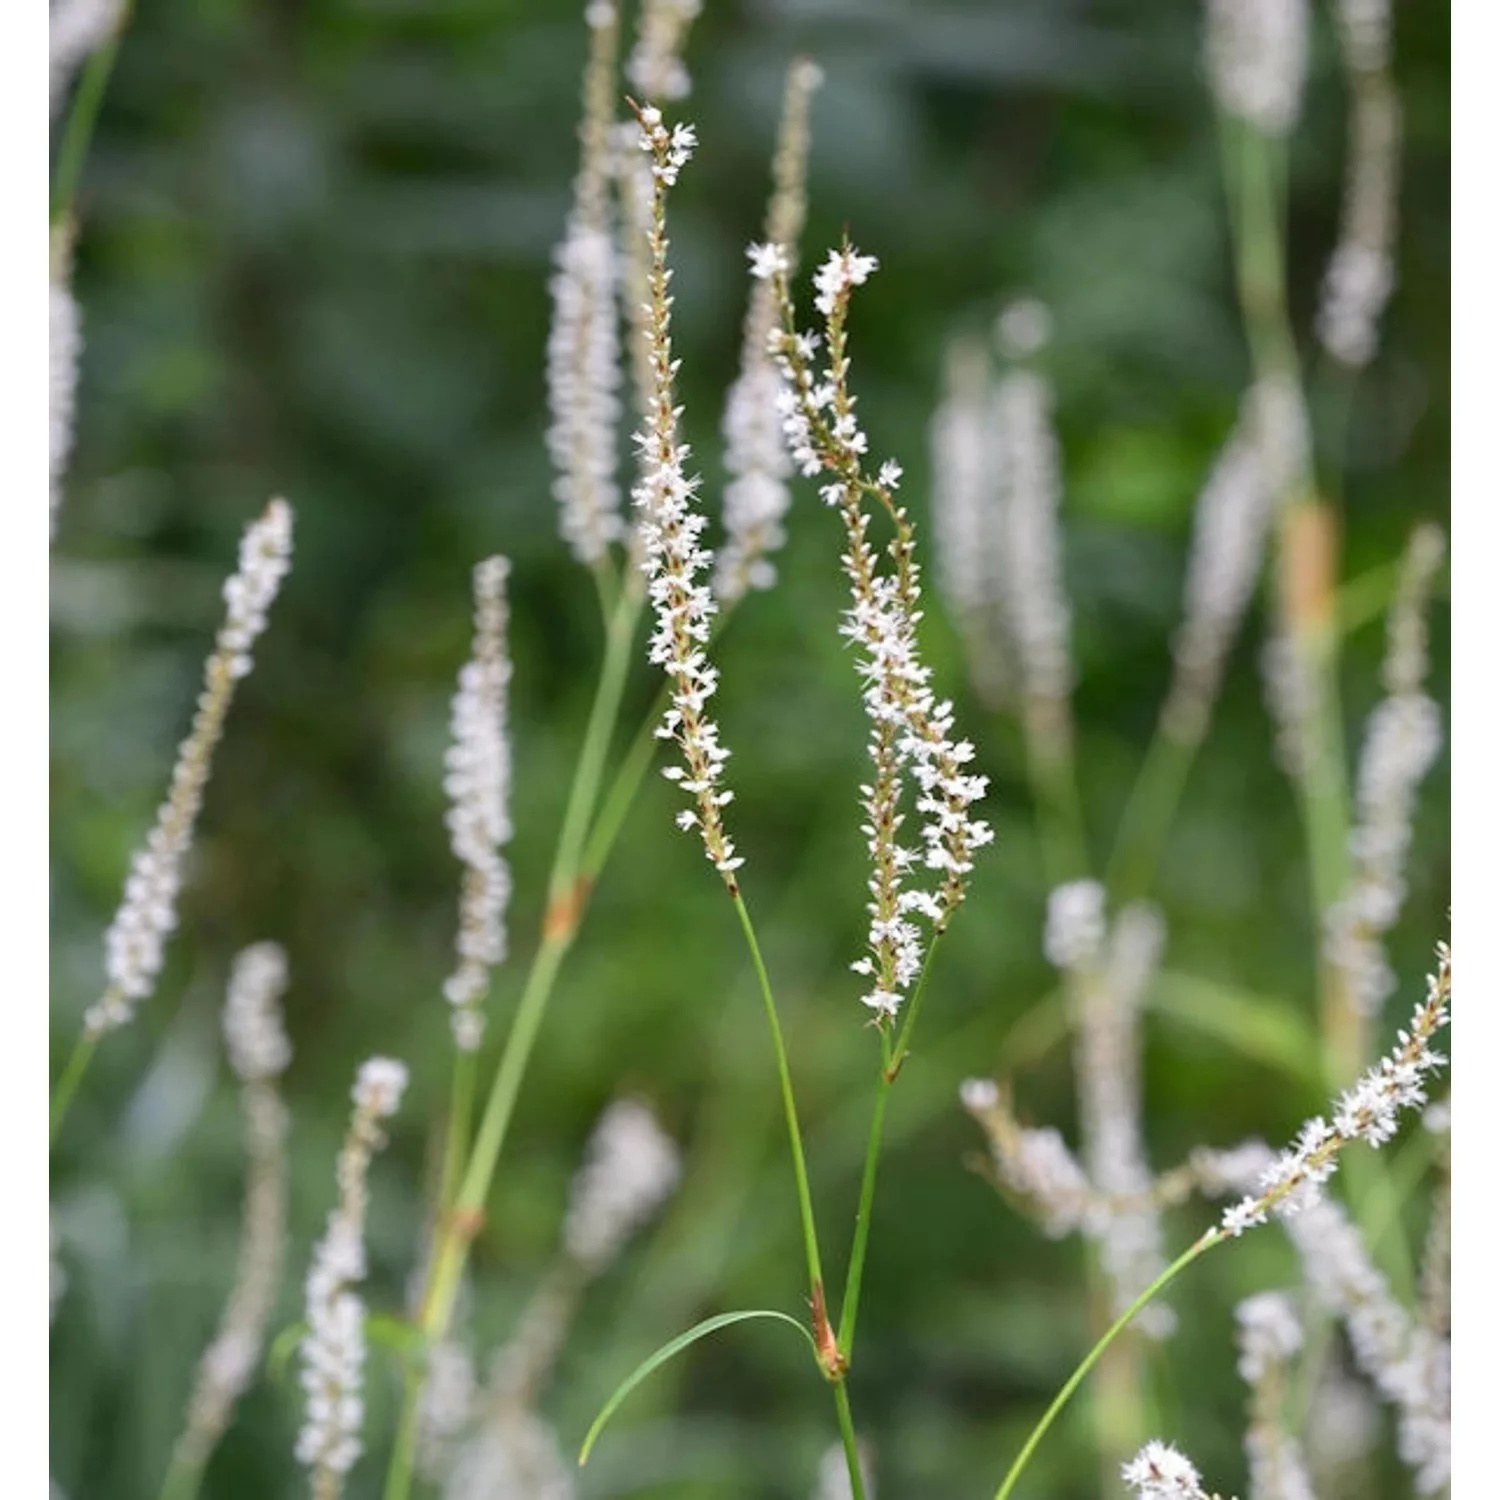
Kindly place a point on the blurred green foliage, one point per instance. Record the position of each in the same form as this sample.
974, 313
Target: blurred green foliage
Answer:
313, 258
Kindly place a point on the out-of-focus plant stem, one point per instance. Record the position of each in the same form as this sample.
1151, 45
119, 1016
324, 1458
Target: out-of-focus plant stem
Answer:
567, 894
83, 111
1307, 556
67, 1085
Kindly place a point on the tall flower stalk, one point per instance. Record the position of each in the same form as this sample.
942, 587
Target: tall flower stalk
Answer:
258, 1052
135, 945
333, 1351
1289, 1184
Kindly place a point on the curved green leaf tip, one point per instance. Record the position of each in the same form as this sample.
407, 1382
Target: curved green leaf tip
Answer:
676, 1346
283, 1346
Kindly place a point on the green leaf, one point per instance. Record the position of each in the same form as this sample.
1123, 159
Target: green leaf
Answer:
283, 1346
1265, 1030
676, 1346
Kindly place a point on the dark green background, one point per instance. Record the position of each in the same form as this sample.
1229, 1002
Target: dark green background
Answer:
313, 256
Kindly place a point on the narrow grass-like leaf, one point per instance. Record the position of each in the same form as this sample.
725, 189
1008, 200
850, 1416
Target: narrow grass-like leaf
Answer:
1262, 1029
676, 1346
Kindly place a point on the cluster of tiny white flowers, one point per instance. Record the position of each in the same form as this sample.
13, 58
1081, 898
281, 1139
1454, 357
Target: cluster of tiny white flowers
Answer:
1343, 1421
1365, 31
967, 517
669, 529
583, 377
1361, 272
1402, 741
136, 940
670, 151
1257, 60
1290, 696
1160, 1472
583, 346
75, 29
756, 498
258, 1051
630, 1169
1023, 328
1110, 969
477, 781
333, 1351
1036, 1165
1076, 927
1109, 1068
64, 343
253, 1031
1229, 538
1369, 1111
910, 729
1269, 1334
655, 65
1409, 1371
842, 271
513, 1456
1031, 492
447, 1405
757, 495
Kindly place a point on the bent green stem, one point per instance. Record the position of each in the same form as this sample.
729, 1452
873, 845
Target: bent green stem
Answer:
788, 1101
1211, 1238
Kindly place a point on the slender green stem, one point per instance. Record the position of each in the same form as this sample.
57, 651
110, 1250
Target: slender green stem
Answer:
453, 1246
183, 1479
456, 1144
67, 1085
851, 1443
1183, 1261
403, 1454
465, 1194
898, 1053
621, 795
1148, 817
605, 710
849, 1307
1054, 786
788, 1100
78, 129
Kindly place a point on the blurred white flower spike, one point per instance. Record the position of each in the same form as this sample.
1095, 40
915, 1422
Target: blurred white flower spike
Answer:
478, 784
136, 941
333, 1350
631, 1168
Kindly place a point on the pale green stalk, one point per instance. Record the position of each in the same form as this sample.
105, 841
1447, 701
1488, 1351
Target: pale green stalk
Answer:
1302, 519
67, 1085
1183, 1261
1148, 816
83, 111
851, 1444
463, 1209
